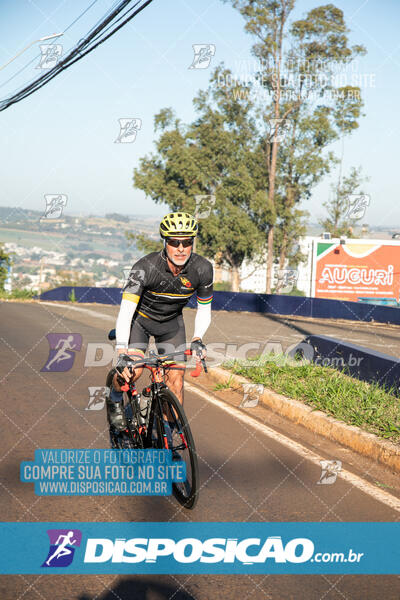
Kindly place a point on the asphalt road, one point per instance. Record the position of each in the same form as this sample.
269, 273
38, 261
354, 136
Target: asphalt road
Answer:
245, 474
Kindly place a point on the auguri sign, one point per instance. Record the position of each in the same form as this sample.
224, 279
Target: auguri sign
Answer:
356, 269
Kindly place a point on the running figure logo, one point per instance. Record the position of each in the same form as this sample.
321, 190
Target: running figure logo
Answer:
54, 205
62, 351
330, 470
203, 54
128, 129
278, 129
251, 394
97, 397
50, 55
357, 205
204, 204
62, 547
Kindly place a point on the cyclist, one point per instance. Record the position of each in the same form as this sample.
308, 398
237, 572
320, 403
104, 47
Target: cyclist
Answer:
159, 286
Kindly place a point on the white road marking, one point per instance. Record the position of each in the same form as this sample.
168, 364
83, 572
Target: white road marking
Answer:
351, 478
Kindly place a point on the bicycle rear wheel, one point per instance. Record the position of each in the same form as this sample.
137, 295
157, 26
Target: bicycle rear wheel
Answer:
180, 441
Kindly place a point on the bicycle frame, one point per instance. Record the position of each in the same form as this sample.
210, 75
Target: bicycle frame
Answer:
155, 364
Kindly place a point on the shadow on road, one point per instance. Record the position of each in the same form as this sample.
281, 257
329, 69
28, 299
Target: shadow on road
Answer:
282, 320
315, 328
142, 588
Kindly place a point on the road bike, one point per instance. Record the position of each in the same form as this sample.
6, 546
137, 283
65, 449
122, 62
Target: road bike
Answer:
156, 419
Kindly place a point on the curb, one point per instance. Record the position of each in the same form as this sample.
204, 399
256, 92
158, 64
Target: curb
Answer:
319, 422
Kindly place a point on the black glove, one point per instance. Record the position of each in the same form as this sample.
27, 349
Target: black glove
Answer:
123, 361
197, 347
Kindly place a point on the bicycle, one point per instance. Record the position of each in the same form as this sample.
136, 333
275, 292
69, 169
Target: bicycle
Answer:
147, 415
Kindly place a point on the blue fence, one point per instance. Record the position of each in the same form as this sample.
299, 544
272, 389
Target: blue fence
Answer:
357, 361
262, 303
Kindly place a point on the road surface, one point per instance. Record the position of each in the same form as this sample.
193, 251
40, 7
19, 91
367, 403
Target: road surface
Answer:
246, 473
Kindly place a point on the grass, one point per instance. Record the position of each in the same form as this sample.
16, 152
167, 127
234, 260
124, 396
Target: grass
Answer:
355, 402
17, 295
224, 385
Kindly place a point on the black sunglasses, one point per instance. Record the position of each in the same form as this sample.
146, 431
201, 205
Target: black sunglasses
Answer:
176, 243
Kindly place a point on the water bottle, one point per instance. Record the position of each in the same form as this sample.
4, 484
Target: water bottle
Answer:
142, 403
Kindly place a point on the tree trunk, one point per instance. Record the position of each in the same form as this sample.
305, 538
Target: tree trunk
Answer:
277, 59
270, 259
235, 279
282, 256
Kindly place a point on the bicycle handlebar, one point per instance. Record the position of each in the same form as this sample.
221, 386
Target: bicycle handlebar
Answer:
158, 359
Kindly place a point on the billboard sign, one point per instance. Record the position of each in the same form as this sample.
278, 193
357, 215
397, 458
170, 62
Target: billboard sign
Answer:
356, 269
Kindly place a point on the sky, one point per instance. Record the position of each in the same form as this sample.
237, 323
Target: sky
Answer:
62, 138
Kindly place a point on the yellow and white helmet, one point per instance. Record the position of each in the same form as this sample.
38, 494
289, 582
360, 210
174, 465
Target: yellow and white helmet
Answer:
178, 224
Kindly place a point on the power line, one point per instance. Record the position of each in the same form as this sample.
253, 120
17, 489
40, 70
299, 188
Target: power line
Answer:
99, 34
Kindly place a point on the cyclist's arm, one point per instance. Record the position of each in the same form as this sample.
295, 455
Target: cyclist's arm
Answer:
204, 298
202, 320
124, 321
130, 298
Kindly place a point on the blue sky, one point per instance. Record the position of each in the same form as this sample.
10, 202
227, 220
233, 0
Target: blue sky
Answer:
61, 139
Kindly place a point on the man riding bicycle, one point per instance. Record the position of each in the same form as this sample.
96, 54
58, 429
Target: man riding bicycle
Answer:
159, 286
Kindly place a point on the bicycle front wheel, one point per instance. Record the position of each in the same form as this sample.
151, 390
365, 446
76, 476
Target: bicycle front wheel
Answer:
180, 440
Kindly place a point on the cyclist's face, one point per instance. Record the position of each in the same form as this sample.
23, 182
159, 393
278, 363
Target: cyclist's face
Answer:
179, 255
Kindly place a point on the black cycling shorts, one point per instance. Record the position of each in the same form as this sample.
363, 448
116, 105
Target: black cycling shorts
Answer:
169, 336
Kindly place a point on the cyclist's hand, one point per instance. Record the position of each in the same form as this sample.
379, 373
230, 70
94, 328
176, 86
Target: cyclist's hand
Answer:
198, 348
123, 370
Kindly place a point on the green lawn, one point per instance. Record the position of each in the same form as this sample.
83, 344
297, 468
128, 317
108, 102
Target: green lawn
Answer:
355, 402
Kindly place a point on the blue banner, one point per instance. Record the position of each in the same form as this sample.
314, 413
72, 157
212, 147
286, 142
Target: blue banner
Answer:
207, 548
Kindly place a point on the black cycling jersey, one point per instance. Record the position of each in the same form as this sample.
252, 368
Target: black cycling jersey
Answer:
160, 294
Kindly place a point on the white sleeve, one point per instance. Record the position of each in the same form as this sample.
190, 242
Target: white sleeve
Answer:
124, 321
203, 320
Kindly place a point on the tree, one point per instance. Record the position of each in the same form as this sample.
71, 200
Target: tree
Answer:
213, 156
319, 40
5, 262
117, 217
339, 222
143, 242
75, 279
